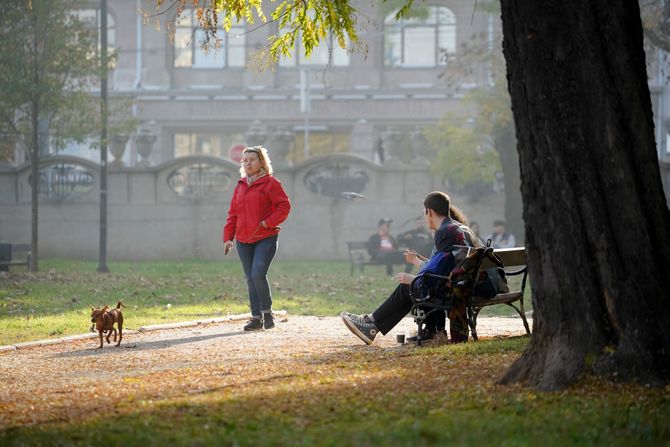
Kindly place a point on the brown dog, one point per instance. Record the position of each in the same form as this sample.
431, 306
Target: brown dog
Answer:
104, 320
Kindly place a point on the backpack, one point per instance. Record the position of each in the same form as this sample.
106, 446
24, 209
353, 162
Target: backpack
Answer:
467, 279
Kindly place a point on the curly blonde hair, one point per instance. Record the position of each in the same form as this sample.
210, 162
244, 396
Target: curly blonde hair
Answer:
263, 157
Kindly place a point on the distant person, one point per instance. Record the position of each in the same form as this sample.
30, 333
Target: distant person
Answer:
474, 226
383, 249
448, 233
259, 205
500, 238
418, 239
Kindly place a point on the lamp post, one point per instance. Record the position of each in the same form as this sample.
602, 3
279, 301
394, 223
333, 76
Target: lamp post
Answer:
102, 260
305, 106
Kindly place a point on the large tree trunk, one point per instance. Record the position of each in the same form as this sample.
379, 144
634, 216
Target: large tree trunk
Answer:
505, 144
597, 223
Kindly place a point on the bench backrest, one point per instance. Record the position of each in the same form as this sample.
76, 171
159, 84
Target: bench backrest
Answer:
357, 245
510, 257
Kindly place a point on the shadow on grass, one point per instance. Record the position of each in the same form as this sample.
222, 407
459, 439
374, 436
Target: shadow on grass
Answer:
396, 402
112, 349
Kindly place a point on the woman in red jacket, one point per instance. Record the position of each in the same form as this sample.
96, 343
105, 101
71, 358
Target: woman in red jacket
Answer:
258, 207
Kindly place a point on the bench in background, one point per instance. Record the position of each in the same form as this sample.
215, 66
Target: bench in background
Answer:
14, 254
358, 256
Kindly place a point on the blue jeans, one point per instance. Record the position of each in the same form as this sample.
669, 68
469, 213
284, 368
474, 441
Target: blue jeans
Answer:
256, 259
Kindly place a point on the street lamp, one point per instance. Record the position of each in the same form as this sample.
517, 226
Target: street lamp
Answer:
102, 260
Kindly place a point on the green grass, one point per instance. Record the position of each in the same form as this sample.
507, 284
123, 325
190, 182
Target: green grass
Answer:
56, 301
444, 395
426, 397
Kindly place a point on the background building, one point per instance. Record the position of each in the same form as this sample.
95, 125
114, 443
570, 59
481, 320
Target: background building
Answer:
339, 121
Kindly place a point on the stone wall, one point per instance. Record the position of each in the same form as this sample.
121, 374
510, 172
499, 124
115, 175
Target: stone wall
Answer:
177, 209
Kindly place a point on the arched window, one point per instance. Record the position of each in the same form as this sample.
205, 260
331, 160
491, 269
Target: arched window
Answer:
229, 50
420, 41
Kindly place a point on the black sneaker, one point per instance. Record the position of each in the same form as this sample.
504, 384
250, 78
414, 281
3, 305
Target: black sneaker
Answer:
360, 326
255, 324
268, 320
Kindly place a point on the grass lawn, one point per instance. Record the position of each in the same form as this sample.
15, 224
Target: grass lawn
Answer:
353, 396
56, 301
364, 397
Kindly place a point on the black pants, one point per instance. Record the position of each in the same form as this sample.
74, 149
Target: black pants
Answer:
392, 258
396, 306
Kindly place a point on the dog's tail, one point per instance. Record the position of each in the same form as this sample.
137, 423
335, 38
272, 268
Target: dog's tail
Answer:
120, 304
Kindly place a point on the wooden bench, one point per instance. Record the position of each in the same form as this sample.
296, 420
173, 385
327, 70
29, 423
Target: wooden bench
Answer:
14, 254
515, 265
358, 256
514, 260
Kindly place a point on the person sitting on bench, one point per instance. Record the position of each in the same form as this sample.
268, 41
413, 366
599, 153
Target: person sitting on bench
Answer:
383, 248
449, 231
418, 239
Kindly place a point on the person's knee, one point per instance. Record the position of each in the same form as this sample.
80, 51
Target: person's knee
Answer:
259, 276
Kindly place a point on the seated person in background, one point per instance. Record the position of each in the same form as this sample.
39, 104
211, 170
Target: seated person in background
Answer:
448, 232
474, 226
383, 248
500, 238
418, 239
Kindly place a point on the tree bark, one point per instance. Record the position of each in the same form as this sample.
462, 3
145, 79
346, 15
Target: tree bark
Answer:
597, 223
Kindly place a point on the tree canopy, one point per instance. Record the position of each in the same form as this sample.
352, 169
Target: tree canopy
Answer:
48, 57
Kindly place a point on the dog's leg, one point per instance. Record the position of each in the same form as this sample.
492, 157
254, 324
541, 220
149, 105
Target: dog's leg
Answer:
100, 333
114, 333
120, 324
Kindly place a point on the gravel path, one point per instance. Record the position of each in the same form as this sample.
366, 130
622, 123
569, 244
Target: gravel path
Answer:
69, 380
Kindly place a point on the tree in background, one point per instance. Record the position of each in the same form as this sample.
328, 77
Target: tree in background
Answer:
464, 155
472, 153
47, 65
656, 22
596, 218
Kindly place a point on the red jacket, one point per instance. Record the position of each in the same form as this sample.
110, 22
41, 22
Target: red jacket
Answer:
264, 200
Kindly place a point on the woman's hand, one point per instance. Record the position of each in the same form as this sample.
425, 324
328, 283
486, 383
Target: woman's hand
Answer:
404, 278
226, 247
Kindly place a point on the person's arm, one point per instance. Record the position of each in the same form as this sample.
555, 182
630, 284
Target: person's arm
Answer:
281, 205
412, 257
231, 221
511, 242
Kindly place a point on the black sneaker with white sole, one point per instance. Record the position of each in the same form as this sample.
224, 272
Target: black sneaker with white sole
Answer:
255, 324
360, 325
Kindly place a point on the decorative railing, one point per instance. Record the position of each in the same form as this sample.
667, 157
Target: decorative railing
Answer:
64, 180
199, 180
334, 179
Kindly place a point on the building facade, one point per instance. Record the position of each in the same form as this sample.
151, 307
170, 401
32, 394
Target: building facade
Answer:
338, 122
199, 102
